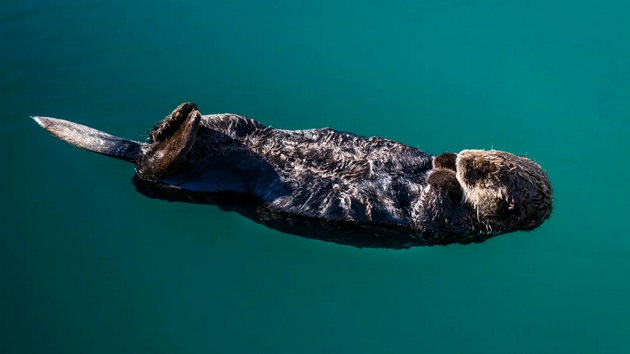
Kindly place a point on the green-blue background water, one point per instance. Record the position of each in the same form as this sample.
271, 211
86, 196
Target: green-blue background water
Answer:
90, 266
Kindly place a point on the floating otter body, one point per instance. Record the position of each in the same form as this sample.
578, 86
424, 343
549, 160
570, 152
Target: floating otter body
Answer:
325, 184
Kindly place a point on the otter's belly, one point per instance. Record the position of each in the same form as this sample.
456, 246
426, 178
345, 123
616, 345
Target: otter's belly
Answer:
385, 201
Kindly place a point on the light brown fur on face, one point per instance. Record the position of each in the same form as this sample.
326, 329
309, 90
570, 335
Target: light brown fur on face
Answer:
504, 187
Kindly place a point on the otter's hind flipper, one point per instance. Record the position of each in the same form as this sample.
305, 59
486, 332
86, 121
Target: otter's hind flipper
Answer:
170, 141
91, 139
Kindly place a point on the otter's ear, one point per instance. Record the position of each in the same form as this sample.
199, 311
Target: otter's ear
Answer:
446, 160
446, 182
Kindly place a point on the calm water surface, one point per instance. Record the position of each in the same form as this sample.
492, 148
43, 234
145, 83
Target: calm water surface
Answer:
90, 266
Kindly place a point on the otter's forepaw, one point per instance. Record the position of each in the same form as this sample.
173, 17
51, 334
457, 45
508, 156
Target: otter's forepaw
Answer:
446, 160
445, 181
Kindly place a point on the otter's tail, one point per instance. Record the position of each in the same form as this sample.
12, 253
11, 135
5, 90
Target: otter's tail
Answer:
91, 139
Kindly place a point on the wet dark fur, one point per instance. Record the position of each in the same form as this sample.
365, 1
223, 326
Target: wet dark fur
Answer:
331, 176
331, 185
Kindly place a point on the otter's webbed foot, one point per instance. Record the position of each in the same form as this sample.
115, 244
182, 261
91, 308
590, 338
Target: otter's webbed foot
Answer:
169, 143
169, 125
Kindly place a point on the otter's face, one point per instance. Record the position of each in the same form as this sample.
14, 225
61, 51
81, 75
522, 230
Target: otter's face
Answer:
508, 192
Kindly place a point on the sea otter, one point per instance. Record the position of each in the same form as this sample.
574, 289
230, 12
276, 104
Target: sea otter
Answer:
326, 184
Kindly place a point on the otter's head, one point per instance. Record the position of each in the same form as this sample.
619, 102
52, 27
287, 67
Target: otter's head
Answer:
507, 192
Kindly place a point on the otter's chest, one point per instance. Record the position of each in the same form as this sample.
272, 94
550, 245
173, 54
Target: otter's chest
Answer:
326, 153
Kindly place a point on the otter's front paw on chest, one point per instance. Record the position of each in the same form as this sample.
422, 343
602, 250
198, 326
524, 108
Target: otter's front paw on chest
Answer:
445, 182
446, 160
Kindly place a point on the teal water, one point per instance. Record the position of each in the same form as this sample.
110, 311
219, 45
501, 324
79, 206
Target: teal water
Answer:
91, 266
